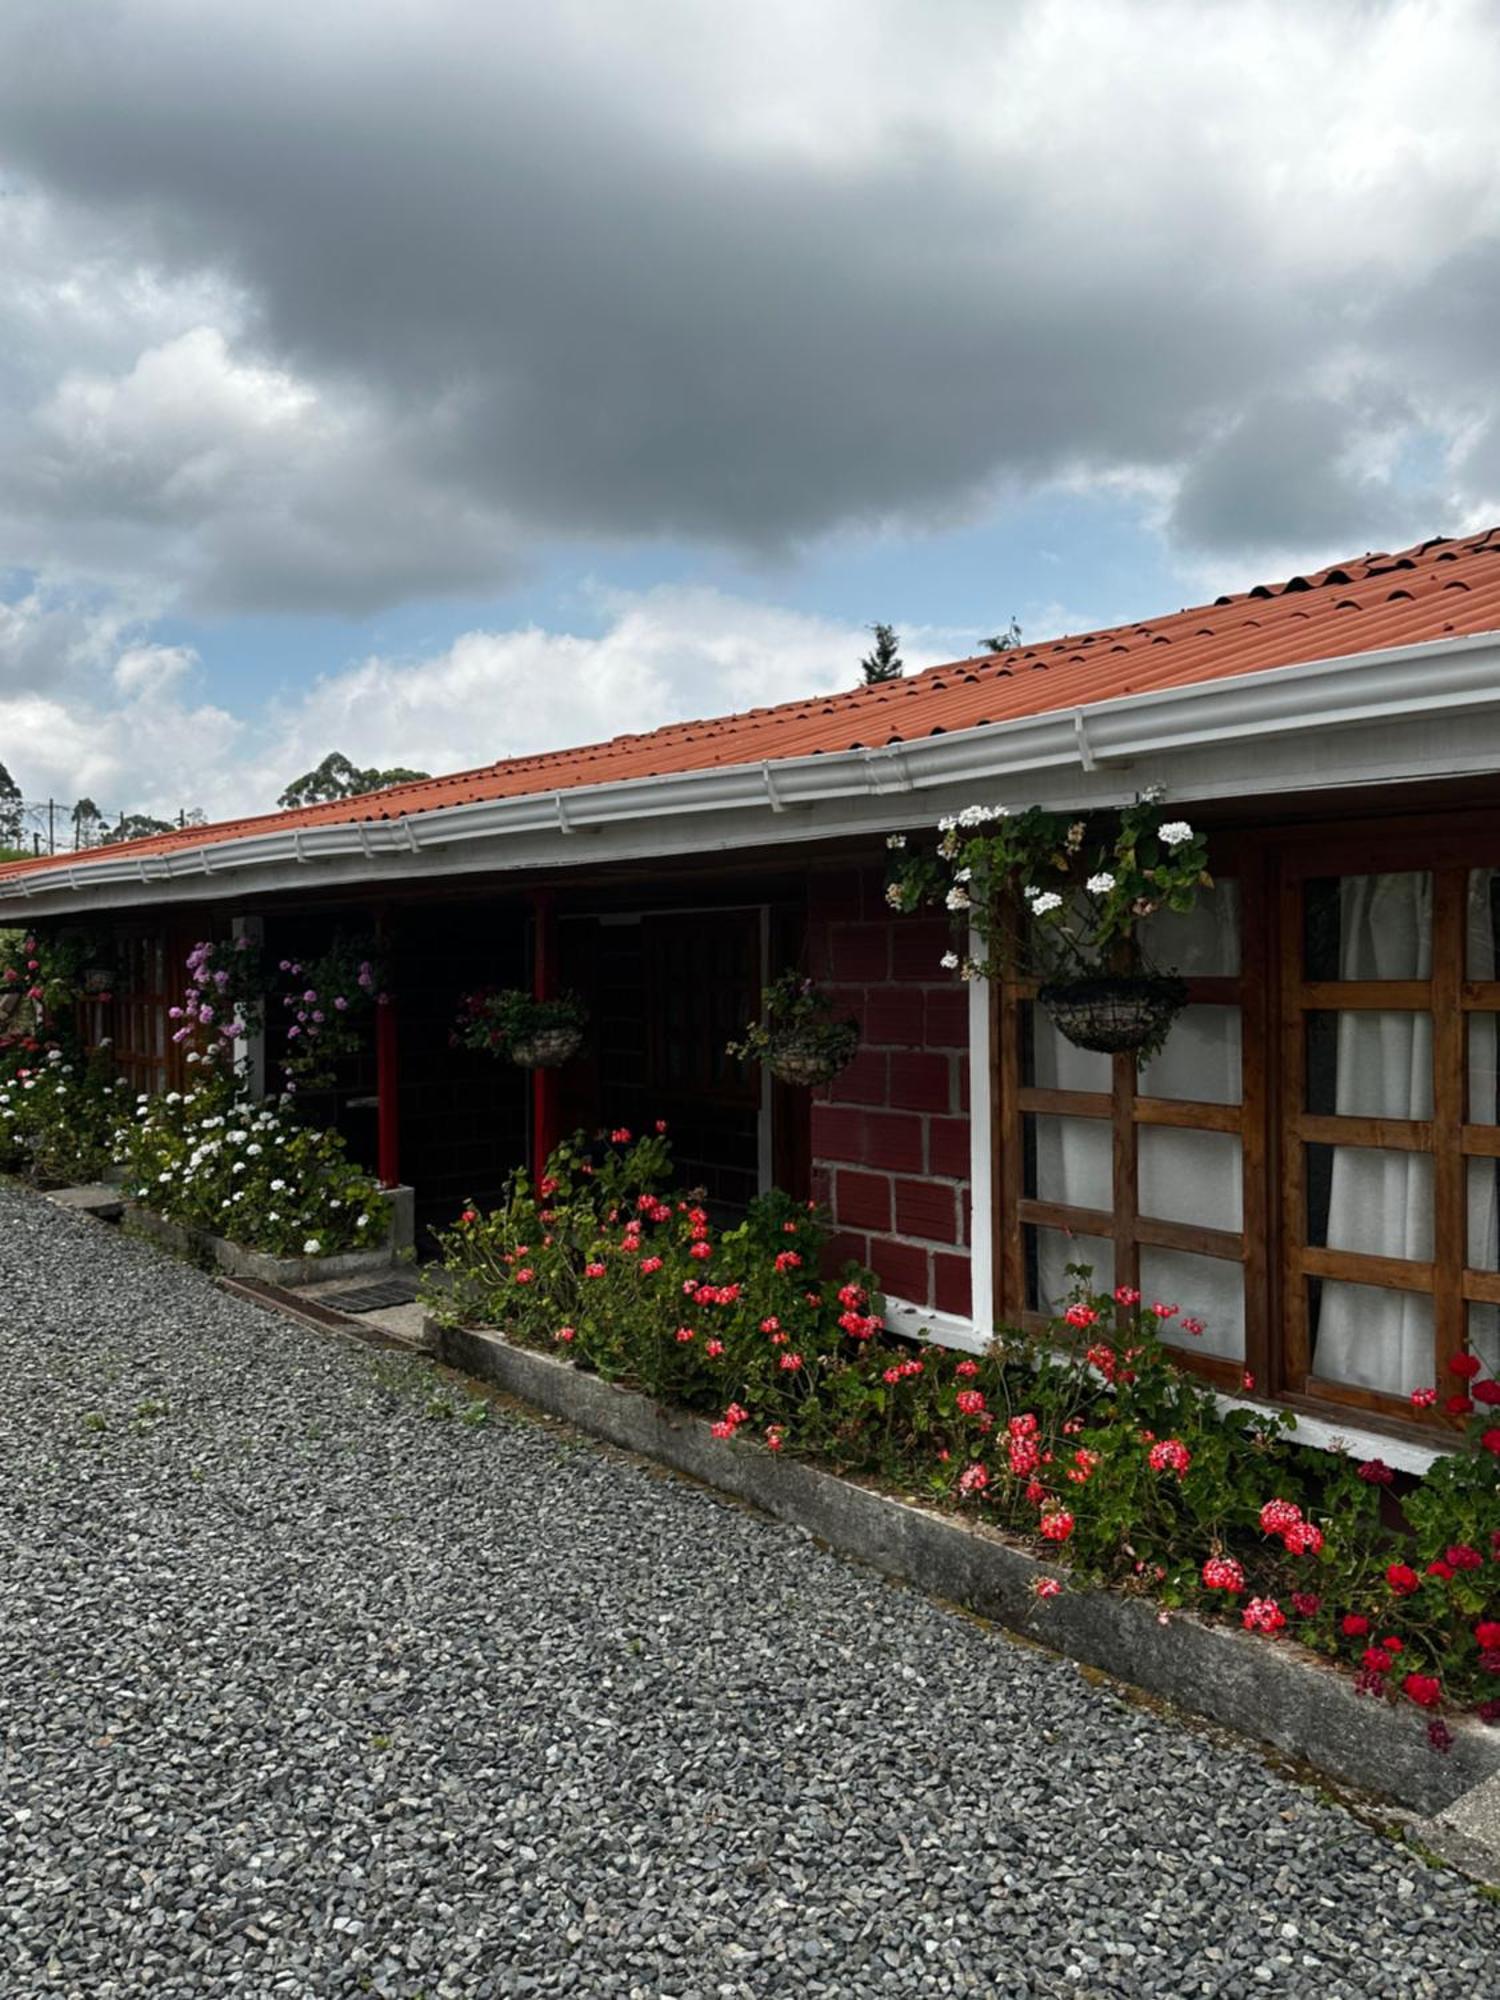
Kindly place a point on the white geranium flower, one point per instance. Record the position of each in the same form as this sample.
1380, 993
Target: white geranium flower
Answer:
1100, 885
253, 1152
1174, 832
895, 895
361, 1223
895, 841
949, 961
277, 1186
311, 1247
1043, 901
174, 1097
958, 897
947, 823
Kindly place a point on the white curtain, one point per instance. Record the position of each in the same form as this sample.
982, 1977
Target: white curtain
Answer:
1074, 1162
1380, 1202
1183, 1175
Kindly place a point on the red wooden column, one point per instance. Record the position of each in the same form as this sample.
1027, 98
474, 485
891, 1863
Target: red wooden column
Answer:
544, 1082
387, 1080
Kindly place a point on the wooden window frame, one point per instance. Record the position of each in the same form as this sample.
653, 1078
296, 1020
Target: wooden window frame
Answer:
1272, 866
1126, 1110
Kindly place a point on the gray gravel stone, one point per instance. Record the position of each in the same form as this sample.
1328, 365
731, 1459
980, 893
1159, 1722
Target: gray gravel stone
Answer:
309, 1689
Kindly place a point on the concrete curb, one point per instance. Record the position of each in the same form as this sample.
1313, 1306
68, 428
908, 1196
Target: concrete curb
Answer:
260, 1266
1277, 1693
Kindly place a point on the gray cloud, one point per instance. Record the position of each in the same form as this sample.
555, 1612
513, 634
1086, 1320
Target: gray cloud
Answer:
479, 277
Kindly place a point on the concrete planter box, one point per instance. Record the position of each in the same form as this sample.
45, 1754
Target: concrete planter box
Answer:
1272, 1690
201, 1247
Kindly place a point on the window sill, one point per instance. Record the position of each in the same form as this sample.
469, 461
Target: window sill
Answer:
1322, 1433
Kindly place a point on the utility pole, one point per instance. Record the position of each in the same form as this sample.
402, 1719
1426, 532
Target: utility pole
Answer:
52, 826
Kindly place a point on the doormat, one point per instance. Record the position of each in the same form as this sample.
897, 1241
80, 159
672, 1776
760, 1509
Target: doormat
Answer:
370, 1298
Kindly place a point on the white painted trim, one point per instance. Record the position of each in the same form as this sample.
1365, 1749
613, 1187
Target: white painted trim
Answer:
939, 1329
1398, 715
1347, 1439
981, 1153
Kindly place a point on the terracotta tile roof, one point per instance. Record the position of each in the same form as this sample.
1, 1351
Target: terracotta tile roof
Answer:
1437, 589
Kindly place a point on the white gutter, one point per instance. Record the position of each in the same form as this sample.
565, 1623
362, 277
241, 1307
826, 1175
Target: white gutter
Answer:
1447, 679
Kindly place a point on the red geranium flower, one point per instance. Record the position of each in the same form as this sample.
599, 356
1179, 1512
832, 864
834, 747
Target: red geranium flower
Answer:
1487, 1633
1467, 1365
1376, 1662
1263, 1614
1486, 1392
1353, 1626
1423, 1689
1461, 1556
1491, 1442
1402, 1579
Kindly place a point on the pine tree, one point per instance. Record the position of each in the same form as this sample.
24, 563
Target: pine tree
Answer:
1002, 642
883, 663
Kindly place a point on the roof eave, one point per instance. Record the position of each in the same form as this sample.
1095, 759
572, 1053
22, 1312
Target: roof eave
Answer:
813, 797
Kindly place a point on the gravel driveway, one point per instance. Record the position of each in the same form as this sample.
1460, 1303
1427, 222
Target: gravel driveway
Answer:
312, 1683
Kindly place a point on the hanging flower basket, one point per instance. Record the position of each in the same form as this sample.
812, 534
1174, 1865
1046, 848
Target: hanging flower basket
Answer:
534, 1034
798, 1037
549, 1048
812, 1054
1113, 1013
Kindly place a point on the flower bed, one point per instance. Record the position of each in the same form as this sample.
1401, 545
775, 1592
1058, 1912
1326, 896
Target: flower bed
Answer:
236, 1260
1279, 1694
1088, 1443
226, 1171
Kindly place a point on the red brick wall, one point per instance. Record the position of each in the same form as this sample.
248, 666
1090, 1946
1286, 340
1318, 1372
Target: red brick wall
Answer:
890, 1137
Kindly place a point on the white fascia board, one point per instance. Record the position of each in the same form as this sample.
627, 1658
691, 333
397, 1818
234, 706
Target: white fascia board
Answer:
1402, 714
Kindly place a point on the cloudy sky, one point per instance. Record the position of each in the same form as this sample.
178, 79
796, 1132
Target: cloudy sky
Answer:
440, 379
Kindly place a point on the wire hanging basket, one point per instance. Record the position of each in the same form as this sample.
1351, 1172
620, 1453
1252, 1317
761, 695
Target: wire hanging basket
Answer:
813, 1054
1116, 1013
548, 1048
